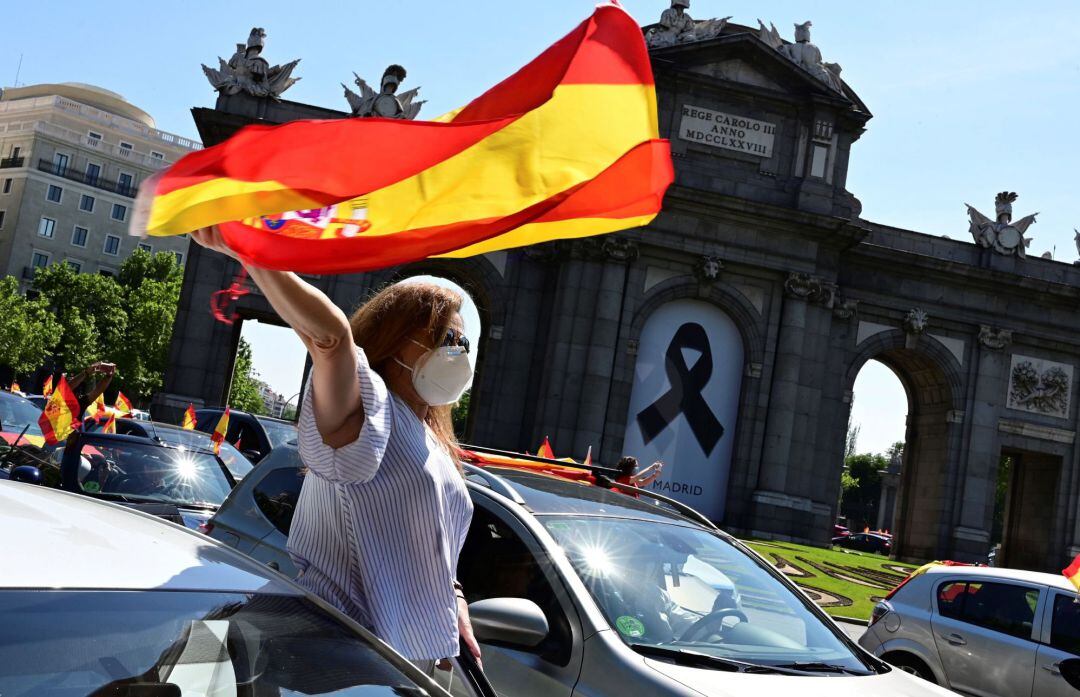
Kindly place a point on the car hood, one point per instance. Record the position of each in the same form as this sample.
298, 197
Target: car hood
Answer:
712, 683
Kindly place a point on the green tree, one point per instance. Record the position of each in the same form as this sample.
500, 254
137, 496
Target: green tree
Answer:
244, 392
459, 415
151, 291
90, 309
28, 331
860, 501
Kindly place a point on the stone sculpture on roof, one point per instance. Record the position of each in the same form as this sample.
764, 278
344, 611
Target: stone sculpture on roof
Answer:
1001, 235
676, 26
803, 53
386, 103
247, 71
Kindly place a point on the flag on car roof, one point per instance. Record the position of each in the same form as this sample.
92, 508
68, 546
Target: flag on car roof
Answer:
15, 386
96, 410
110, 425
189, 422
47, 388
218, 436
1072, 572
123, 405
60, 416
566, 147
545, 450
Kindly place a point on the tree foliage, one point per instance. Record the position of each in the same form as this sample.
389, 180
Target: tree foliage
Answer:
28, 331
91, 313
244, 392
861, 499
151, 285
459, 415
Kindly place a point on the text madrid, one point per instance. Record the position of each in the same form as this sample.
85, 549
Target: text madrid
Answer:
678, 488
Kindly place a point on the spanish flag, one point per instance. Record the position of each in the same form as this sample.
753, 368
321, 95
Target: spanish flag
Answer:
15, 386
566, 147
218, 436
189, 422
47, 388
123, 405
110, 425
96, 410
1073, 572
545, 450
60, 416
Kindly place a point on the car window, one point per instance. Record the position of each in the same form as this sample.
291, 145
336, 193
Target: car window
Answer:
1065, 625
17, 413
496, 563
276, 496
179, 642
1001, 607
279, 433
142, 472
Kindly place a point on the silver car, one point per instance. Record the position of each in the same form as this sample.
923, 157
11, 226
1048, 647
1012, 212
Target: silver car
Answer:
981, 630
578, 590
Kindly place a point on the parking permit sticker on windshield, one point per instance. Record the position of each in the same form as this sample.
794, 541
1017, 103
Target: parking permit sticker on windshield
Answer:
91, 486
630, 626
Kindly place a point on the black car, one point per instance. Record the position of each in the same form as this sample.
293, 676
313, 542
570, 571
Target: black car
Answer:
865, 542
254, 435
179, 483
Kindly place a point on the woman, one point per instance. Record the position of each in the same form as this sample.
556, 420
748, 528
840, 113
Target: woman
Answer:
384, 510
628, 474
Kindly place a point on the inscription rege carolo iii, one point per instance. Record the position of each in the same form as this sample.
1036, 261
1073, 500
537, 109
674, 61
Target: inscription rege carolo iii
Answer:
727, 131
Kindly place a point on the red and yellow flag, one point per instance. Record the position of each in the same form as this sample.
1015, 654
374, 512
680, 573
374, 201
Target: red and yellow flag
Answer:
60, 416
218, 436
110, 425
1072, 572
566, 147
123, 405
47, 388
96, 410
15, 386
545, 450
189, 422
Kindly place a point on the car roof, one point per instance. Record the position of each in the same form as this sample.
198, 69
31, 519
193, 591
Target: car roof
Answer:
547, 494
55, 539
1002, 574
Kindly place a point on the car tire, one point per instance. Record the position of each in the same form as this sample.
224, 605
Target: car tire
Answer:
910, 664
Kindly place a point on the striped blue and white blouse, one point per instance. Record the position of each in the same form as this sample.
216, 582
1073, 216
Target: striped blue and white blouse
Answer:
380, 523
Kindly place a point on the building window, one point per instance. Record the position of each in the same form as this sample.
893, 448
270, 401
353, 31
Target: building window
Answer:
125, 183
818, 160
2, 214
86, 203
76, 266
93, 138
40, 260
179, 258
126, 148
60, 163
119, 212
79, 236
112, 245
46, 228
157, 155
146, 248
15, 152
54, 194
107, 272
93, 173
7, 185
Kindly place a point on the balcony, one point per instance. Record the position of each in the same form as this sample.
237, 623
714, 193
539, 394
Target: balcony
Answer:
12, 162
96, 182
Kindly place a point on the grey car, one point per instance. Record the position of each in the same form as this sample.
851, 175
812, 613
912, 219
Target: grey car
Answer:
578, 590
981, 630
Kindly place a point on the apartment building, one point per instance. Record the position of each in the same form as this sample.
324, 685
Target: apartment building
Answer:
71, 160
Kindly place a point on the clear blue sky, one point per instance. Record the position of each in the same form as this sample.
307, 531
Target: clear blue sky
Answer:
969, 97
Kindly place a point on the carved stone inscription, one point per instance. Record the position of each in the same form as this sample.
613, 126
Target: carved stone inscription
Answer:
727, 131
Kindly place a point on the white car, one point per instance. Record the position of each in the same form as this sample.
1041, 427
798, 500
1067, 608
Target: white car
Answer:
96, 599
981, 630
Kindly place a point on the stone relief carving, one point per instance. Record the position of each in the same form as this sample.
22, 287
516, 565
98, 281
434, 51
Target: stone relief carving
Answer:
676, 26
994, 339
546, 253
1076, 240
385, 103
606, 248
708, 268
803, 53
845, 309
1040, 386
1002, 235
247, 71
916, 321
810, 288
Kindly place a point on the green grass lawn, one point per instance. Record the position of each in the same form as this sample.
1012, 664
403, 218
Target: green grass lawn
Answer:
847, 583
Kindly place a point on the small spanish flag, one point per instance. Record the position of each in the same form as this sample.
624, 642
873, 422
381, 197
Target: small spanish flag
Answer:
15, 386
96, 410
60, 416
218, 436
189, 422
123, 405
47, 388
545, 450
110, 425
1073, 572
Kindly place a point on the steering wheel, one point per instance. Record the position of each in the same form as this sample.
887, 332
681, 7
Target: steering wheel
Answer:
705, 626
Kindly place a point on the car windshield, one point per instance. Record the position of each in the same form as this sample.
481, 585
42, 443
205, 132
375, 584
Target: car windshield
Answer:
143, 472
279, 433
234, 460
17, 413
77, 643
676, 587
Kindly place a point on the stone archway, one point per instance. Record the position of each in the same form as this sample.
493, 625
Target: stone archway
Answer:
930, 376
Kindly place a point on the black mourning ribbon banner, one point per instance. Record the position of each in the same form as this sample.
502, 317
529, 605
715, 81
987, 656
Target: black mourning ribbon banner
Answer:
684, 397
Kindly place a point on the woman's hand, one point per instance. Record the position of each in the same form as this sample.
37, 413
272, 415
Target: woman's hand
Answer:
466, 630
211, 238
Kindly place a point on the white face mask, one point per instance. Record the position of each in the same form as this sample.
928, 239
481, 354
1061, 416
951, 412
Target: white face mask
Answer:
441, 375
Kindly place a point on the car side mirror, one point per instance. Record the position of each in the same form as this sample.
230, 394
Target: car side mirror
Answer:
513, 621
28, 474
253, 455
1070, 670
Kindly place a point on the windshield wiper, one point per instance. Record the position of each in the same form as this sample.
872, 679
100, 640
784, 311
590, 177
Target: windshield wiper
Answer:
703, 660
813, 667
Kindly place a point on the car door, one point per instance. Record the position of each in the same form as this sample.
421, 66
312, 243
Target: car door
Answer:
1060, 641
502, 559
985, 635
